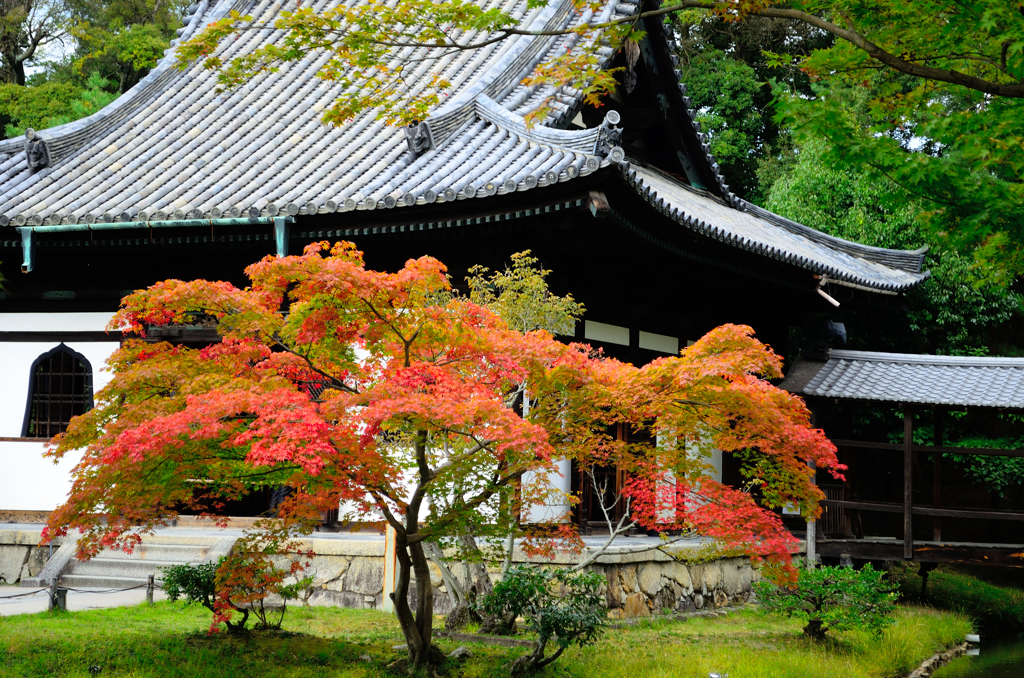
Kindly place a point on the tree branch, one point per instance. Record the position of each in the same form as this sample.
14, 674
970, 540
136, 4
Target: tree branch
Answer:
613, 530
407, 38
1015, 90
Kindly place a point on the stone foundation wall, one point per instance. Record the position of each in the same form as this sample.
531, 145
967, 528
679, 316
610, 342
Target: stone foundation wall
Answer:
347, 573
351, 574
642, 589
20, 557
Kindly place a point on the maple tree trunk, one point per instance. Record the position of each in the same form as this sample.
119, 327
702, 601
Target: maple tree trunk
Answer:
412, 562
416, 626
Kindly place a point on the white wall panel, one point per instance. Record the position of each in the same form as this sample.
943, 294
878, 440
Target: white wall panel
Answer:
610, 334
28, 482
557, 509
659, 342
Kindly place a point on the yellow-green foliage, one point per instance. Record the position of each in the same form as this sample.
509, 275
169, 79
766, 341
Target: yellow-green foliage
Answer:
169, 641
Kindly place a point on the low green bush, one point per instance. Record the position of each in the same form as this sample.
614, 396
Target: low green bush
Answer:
833, 598
557, 605
196, 583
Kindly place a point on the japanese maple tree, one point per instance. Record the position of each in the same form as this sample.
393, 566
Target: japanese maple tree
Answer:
393, 395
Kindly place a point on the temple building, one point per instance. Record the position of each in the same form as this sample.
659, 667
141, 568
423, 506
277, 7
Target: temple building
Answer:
623, 202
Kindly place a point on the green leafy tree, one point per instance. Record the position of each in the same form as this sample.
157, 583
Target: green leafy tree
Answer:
945, 121
729, 77
833, 599
123, 53
27, 27
520, 295
50, 104
727, 95
956, 311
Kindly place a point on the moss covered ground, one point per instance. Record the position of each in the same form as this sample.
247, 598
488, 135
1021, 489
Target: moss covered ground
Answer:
993, 598
169, 640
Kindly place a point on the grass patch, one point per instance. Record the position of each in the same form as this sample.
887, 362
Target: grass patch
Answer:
989, 598
168, 640
753, 645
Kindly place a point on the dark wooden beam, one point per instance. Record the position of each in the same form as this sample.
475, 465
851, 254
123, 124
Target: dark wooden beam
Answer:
940, 449
884, 507
908, 498
61, 336
868, 445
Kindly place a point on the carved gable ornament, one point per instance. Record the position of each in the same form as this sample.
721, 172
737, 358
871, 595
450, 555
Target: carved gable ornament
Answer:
420, 138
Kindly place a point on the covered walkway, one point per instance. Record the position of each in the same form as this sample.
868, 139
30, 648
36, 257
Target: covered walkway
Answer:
926, 390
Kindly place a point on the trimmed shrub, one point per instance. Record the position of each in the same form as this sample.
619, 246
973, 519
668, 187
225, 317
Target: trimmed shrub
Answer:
833, 598
558, 605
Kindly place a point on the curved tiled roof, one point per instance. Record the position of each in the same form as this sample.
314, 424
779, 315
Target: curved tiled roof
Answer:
174, 148
757, 230
925, 379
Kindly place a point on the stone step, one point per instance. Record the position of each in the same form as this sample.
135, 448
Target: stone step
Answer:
80, 581
138, 569
180, 553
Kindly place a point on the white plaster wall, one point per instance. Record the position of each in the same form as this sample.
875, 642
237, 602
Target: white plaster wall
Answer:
54, 322
557, 509
716, 464
28, 482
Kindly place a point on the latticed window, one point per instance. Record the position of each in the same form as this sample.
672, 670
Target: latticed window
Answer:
60, 388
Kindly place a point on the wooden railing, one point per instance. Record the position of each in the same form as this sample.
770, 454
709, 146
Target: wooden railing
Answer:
936, 511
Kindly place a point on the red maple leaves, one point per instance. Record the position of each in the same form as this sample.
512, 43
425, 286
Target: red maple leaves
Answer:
392, 393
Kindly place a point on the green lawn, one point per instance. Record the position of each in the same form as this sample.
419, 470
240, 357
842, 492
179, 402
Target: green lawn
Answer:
169, 640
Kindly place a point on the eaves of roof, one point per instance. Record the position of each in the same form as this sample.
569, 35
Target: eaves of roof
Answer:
757, 230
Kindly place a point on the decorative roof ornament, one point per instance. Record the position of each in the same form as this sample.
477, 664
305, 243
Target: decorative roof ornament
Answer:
36, 152
420, 138
609, 138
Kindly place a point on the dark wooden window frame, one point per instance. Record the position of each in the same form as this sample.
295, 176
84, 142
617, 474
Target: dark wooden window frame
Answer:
87, 395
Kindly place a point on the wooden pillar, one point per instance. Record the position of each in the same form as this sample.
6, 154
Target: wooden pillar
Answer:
937, 474
908, 467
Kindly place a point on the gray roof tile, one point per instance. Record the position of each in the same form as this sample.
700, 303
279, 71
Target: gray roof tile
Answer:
172, 147
922, 379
